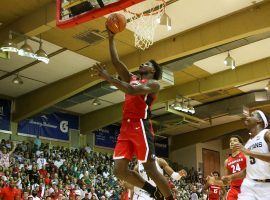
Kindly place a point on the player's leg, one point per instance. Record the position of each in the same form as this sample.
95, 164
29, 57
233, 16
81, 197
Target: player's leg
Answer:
145, 150
158, 178
122, 172
123, 153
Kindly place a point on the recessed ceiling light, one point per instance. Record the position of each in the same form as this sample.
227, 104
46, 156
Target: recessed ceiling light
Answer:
1, 23
113, 87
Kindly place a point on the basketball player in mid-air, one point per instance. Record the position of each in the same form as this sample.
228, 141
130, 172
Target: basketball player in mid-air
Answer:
256, 185
234, 164
163, 168
136, 135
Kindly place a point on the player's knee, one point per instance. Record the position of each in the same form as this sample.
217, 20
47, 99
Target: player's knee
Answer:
117, 172
120, 173
151, 172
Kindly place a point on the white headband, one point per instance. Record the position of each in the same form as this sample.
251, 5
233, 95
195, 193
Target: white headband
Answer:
263, 118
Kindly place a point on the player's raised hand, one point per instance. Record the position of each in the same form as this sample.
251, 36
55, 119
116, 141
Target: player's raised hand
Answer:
183, 173
110, 34
241, 148
100, 71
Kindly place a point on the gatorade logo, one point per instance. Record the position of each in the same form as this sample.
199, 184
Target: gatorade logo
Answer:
64, 126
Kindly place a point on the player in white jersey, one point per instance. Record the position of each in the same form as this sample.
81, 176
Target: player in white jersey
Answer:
256, 185
163, 168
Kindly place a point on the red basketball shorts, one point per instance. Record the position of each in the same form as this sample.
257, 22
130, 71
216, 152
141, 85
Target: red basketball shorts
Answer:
233, 193
136, 138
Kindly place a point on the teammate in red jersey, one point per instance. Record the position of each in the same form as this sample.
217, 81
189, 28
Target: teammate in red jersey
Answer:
136, 135
215, 187
235, 163
127, 190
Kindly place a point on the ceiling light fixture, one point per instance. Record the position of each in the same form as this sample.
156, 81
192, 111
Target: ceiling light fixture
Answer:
9, 45
191, 108
267, 87
165, 20
26, 50
169, 23
41, 55
177, 105
184, 106
113, 87
229, 61
17, 80
96, 102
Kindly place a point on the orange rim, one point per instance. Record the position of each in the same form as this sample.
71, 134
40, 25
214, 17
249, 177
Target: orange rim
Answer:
149, 14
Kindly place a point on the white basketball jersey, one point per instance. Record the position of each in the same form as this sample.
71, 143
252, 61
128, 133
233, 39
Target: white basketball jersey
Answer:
256, 168
140, 193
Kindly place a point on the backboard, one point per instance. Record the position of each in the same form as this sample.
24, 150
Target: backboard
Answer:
70, 13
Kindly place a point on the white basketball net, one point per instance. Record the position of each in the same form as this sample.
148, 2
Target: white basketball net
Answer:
144, 25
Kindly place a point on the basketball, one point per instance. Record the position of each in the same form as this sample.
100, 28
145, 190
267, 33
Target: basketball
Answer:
116, 22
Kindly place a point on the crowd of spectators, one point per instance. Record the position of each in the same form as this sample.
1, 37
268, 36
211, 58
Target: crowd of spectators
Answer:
33, 171
39, 172
191, 187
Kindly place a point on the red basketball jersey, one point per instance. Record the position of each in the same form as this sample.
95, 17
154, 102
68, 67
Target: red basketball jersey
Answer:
138, 106
214, 192
236, 164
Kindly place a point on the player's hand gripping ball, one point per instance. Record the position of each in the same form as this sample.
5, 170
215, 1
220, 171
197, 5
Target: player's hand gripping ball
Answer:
116, 23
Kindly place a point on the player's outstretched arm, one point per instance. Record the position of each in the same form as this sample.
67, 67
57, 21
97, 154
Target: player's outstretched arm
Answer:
120, 67
206, 185
151, 87
174, 175
227, 179
262, 156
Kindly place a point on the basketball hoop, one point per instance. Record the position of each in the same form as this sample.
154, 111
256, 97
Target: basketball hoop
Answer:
144, 24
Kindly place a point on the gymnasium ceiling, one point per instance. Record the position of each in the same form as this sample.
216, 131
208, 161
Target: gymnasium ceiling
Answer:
195, 28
